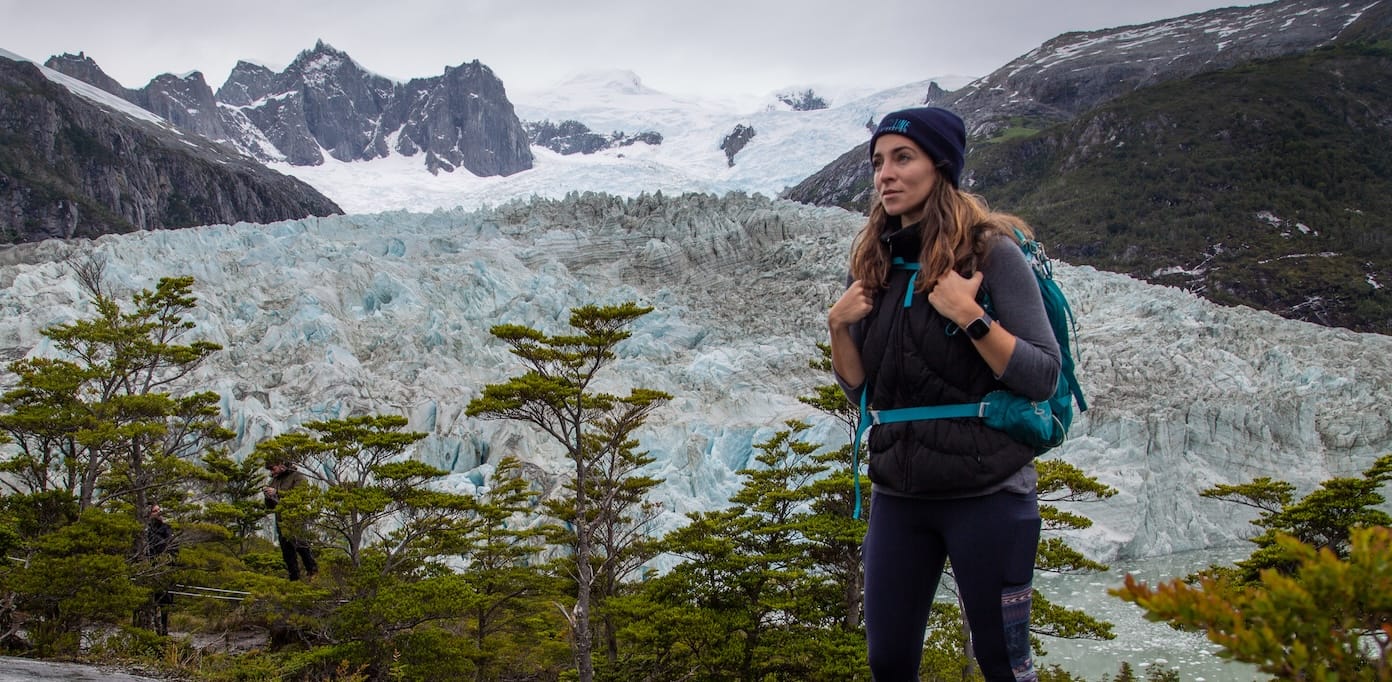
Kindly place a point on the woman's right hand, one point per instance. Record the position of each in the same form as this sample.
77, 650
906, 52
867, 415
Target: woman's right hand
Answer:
852, 307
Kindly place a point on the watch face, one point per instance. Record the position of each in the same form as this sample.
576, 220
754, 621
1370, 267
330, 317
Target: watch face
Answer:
979, 327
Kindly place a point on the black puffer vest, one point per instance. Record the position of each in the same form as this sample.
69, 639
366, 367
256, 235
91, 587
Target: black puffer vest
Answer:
916, 357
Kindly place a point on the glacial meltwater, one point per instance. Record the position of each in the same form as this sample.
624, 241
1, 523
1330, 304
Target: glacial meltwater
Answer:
1141, 642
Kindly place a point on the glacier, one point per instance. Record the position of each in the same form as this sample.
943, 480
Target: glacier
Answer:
389, 313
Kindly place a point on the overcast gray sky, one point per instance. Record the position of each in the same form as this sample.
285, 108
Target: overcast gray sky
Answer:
688, 47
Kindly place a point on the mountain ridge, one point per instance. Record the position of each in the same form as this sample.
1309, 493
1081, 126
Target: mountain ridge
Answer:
1155, 190
1230, 184
1034, 91
74, 167
324, 102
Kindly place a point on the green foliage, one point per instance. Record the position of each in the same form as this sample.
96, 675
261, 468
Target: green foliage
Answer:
74, 575
1127, 674
1272, 181
96, 437
1314, 600
232, 491
945, 647
1323, 519
373, 496
750, 597
97, 422
594, 428
1326, 620
509, 599
1017, 128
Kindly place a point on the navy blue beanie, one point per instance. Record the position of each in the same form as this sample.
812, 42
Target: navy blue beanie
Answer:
938, 131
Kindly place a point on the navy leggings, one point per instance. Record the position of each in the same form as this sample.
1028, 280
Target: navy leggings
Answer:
991, 541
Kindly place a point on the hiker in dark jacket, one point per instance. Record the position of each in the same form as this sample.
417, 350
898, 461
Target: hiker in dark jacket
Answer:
943, 489
294, 546
159, 539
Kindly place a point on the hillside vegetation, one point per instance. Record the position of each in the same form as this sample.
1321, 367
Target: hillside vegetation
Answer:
1268, 184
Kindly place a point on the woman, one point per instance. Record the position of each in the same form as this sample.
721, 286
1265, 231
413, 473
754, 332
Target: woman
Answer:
946, 489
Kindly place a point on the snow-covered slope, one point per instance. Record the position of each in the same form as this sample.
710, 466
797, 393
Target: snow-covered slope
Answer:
93, 93
787, 147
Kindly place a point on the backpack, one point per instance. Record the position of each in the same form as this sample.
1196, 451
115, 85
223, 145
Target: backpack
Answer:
1041, 424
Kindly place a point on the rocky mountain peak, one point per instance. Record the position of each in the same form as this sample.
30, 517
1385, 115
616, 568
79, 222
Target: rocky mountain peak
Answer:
85, 69
187, 102
326, 101
324, 64
70, 167
448, 116
246, 84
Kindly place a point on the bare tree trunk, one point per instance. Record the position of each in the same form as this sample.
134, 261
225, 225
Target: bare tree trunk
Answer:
584, 640
584, 635
852, 596
968, 668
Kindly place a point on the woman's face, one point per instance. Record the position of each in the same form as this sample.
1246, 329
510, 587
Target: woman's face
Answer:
904, 175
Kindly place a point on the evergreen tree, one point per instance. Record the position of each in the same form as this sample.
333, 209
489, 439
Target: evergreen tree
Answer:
1324, 519
231, 496
98, 434
750, 600
392, 599
836, 537
557, 395
508, 615
1314, 600
372, 495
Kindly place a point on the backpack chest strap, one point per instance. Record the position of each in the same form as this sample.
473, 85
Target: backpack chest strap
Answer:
870, 418
909, 414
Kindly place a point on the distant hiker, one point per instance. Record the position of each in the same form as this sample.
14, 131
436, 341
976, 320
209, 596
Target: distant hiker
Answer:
158, 534
913, 330
159, 539
294, 546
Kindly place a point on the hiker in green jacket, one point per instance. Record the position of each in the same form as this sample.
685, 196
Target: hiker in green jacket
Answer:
294, 545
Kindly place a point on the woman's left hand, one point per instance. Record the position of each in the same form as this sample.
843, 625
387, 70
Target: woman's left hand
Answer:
954, 297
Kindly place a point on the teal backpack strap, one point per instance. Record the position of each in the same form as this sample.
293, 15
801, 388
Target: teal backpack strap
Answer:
1061, 318
865, 414
855, 448
870, 418
910, 414
901, 264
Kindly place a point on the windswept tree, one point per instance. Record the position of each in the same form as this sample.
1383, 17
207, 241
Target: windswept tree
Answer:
97, 418
621, 517
557, 394
101, 427
372, 494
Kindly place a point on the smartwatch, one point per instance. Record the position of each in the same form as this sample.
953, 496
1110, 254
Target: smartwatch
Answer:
979, 327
